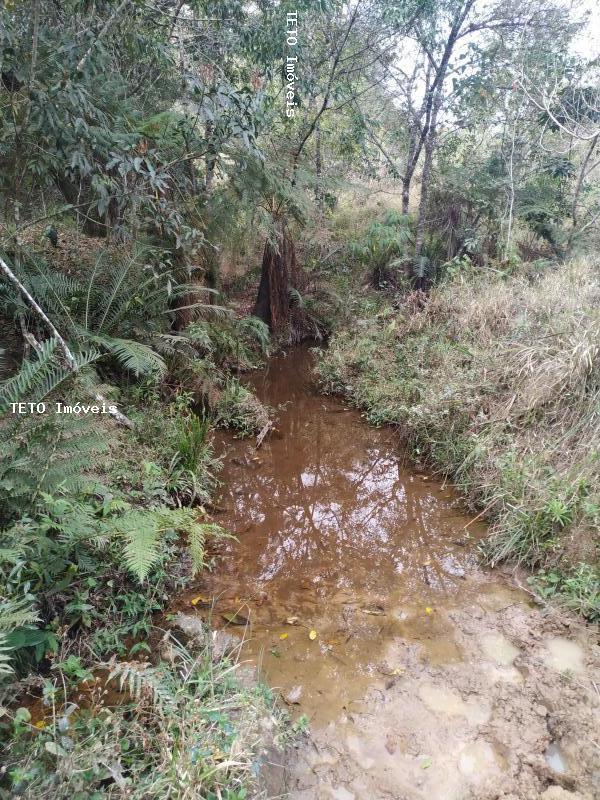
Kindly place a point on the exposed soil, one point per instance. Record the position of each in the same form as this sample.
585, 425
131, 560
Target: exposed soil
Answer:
521, 699
356, 589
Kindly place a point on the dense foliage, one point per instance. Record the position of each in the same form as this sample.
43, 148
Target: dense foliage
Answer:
422, 181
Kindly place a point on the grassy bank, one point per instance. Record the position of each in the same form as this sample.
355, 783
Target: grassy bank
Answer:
495, 380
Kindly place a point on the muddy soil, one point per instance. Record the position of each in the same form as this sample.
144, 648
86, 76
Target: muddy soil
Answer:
514, 717
355, 588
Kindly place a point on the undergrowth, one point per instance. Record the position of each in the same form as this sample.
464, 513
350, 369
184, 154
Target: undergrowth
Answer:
182, 727
495, 380
100, 526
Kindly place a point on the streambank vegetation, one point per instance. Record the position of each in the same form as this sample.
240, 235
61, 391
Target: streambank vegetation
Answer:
431, 206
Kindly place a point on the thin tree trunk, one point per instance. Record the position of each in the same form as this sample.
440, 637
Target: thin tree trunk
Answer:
419, 272
406, 181
318, 168
433, 103
211, 159
580, 179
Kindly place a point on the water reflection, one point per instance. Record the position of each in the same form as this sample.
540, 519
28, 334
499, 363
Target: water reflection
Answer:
328, 502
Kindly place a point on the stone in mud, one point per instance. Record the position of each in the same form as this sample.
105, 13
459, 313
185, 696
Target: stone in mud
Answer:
294, 695
192, 626
197, 632
223, 644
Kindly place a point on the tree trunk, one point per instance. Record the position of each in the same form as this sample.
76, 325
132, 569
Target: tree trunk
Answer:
211, 159
418, 271
318, 169
580, 179
278, 264
85, 214
406, 180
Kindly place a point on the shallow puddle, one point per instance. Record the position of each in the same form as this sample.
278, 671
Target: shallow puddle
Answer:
341, 549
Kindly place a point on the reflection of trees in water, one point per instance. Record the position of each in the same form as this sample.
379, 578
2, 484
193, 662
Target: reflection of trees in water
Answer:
326, 502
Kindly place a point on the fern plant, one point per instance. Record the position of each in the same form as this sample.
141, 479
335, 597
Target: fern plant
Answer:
46, 452
123, 310
41, 375
141, 531
14, 614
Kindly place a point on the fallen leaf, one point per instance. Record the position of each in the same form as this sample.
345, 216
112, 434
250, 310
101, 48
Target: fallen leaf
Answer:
375, 611
200, 599
312, 635
283, 635
426, 763
40, 725
292, 620
235, 619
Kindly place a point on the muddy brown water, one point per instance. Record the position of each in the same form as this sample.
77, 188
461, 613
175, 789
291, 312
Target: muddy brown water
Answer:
339, 548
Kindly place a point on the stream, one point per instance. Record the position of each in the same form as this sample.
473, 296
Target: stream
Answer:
355, 586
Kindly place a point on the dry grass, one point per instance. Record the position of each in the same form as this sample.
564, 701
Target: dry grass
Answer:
497, 381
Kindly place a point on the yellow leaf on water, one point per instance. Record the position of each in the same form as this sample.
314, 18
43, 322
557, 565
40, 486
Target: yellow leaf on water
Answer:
200, 599
283, 635
428, 610
313, 634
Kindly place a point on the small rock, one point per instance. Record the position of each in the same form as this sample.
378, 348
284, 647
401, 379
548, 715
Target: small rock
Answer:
190, 625
293, 696
223, 643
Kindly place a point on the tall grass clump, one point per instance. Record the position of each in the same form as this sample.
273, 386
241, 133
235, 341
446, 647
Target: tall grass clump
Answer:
495, 379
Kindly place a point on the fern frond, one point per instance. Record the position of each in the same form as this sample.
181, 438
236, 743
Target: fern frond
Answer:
15, 614
296, 298
143, 682
141, 533
134, 356
38, 378
6, 670
143, 529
